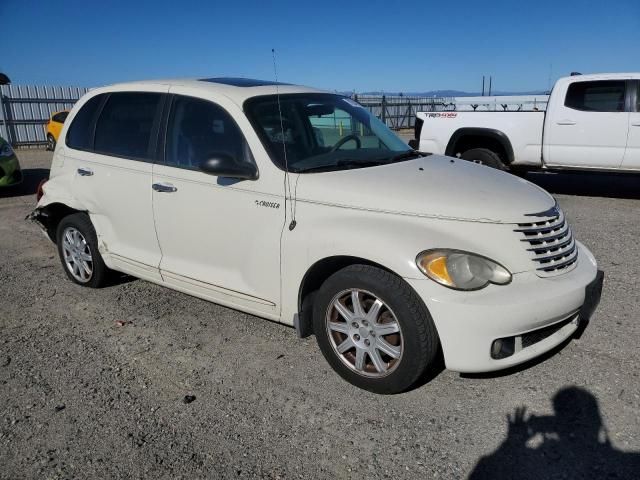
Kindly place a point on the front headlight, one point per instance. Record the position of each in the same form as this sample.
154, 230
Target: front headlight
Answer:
461, 270
6, 150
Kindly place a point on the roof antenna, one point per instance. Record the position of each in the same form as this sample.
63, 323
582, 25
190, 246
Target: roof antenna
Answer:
287, 180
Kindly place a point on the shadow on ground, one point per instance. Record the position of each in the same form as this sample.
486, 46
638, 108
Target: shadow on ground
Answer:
590, 184
571, 443
31, 179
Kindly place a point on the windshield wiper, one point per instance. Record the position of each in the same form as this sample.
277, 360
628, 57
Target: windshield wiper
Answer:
347, 163
405, 156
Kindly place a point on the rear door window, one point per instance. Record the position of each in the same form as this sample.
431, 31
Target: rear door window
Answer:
597, 96
80, 135
128, 125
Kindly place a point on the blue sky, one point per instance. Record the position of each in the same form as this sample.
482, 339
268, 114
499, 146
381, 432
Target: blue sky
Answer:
347, 45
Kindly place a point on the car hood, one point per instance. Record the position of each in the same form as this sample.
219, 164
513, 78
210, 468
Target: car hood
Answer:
433, 186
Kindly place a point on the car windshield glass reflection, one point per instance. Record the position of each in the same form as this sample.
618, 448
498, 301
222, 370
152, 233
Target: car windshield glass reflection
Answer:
323, 132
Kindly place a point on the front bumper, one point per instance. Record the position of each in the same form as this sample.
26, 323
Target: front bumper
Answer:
469, 323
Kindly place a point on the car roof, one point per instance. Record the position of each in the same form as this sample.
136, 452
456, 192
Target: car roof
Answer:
603, 76
237, 88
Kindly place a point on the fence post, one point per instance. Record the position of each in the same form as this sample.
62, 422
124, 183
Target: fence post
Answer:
3, 122
384, 109
10, 127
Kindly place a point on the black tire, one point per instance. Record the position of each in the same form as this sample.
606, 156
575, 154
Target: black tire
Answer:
419, 344
99, 271
51, 142
484, 156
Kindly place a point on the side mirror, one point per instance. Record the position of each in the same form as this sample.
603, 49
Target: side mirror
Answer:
224, 165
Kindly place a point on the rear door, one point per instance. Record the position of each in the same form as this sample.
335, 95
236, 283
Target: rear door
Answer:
589, 129
632, 153
113, 178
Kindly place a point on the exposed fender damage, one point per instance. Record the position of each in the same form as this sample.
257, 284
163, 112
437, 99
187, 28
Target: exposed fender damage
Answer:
55, 203
48, 216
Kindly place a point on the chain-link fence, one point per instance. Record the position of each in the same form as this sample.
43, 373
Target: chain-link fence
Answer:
25, 110
399, 111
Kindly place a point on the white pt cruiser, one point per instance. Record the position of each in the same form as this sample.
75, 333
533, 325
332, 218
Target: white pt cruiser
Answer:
299, 206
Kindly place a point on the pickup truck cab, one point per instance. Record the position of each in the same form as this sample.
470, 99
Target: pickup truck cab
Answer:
299, 206
592, 122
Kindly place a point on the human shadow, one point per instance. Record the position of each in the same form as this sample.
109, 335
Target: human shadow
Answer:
573, 443
31, 178
589, 184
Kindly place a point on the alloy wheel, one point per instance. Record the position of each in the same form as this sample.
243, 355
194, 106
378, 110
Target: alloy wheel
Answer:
364, 333
77, 254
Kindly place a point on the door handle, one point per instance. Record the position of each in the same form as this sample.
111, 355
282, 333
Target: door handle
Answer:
566, 122
635, 124
164, 187
85, 172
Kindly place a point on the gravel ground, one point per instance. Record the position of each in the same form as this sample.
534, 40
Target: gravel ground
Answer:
93, 383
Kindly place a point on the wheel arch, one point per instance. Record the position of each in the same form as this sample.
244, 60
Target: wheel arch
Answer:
313, 279
49, 217
473, 137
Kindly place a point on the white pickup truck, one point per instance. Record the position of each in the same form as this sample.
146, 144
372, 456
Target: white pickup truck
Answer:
592, 122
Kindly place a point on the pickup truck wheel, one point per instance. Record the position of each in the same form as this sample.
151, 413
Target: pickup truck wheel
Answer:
484, 156
373, 329
78, 249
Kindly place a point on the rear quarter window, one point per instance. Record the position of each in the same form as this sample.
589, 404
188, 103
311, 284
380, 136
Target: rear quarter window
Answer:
80, 135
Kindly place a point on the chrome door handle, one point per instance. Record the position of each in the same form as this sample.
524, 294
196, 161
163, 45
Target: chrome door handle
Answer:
566, 122
85, 172
635, 124
164, 187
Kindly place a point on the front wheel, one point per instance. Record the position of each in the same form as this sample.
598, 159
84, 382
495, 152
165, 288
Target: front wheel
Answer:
373, 329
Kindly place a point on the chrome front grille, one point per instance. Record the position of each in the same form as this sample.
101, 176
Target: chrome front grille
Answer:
550, 243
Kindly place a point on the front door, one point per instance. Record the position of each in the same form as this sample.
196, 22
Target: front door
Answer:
590, 128
220, 237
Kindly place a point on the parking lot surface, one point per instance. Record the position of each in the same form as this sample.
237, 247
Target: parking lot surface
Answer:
136, 380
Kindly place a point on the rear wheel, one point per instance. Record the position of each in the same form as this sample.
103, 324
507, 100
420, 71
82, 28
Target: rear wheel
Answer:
373, 329
51, 142
78, 250
484, 156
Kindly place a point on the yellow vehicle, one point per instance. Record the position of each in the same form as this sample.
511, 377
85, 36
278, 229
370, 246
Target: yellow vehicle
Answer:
54, 126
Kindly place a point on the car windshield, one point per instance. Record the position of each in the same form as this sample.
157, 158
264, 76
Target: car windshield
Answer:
323, 132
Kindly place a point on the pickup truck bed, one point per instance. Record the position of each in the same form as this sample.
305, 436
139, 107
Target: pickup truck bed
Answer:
592, 122
509, 132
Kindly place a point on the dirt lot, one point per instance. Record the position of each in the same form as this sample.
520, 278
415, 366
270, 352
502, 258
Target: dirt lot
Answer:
93, 382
